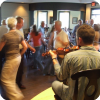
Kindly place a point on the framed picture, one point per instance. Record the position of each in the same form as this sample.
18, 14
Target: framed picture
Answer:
74, 20
51, 20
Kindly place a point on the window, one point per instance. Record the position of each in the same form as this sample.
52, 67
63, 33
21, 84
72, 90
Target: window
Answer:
42, 16
95, 15
64, 18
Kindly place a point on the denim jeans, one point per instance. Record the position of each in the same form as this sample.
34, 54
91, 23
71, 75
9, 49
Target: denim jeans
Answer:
37, 58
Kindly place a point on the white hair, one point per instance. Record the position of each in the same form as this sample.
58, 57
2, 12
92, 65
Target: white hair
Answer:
11, 22
58, 22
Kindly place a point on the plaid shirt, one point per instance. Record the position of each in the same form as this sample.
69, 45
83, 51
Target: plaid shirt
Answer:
84, 58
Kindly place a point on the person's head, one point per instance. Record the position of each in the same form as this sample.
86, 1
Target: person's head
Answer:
34, 30
86, 21
3, 22
58, 25
20, 22
91, 22
80, 22
11, 23
85, 35
42, 24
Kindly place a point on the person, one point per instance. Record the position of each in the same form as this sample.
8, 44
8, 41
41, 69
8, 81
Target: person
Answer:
3, 30
41, 29
85, 58
11, 42
96, 39
86, 22
20, 22
80, 22
59, 39
36, 38
91, 23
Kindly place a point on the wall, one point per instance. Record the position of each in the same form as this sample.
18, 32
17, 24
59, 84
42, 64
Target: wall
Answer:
50, 14
74, 14
88, 10
15, 9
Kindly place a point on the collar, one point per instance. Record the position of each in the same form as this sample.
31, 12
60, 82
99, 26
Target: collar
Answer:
87, 48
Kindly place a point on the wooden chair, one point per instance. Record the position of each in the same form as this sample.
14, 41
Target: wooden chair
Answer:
92, 75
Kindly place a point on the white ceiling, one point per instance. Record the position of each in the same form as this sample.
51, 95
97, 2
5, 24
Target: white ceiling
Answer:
37, 1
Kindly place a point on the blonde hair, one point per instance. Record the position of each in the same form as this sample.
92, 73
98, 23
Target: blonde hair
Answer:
11, 22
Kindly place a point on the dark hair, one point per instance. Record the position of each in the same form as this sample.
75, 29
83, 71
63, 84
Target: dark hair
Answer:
87, 33
53, 27
19, 19
35, 30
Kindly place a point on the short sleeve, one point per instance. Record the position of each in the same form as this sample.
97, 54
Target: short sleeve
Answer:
3, 39
22, 38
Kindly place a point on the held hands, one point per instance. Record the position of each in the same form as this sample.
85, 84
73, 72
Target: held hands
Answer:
33, 50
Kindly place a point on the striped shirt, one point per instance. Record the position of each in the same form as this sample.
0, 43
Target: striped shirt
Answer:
85, 58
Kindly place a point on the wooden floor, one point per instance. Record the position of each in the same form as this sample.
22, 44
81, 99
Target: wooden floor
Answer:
34, 81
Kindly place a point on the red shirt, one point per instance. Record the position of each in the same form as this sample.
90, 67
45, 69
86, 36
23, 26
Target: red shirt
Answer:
36, 39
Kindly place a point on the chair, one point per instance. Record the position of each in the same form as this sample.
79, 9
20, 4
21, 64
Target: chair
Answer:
92, 75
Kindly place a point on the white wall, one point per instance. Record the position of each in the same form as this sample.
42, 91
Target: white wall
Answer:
88, 10
74, 14
50, 14
16, 9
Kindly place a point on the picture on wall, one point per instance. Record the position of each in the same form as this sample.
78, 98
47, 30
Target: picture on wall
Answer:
74, 20
51, 20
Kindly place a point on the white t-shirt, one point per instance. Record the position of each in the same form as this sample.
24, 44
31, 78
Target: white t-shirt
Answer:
3, 30
63, 36
22, 34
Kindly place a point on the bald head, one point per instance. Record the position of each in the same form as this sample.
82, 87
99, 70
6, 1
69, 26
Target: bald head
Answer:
3, 22
58, 25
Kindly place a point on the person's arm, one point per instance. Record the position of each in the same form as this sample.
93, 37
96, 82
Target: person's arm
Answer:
2, 44
62, 72
30, 47
23, 43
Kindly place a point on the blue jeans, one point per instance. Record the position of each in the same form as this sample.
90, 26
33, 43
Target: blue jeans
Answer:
37, 58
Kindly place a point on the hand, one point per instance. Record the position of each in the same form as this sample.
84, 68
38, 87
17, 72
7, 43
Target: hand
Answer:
33, 50
53, 55
58, 38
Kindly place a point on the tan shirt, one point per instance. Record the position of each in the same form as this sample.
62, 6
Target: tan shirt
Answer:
63, 36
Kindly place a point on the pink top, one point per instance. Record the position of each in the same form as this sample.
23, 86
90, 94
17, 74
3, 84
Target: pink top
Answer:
36, 39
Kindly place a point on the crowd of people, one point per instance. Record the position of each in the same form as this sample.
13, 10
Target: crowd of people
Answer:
13, 46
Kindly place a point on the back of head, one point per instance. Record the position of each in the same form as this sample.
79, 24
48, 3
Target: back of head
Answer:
11, 22
87, 33
3, 22
35, 30
19, 19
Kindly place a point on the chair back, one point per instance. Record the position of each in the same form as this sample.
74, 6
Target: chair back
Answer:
92, 75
